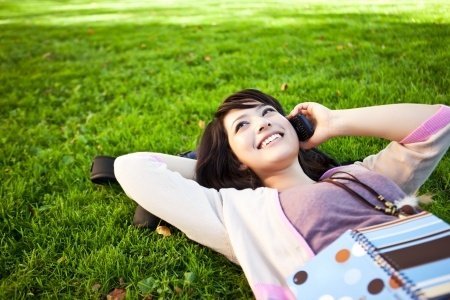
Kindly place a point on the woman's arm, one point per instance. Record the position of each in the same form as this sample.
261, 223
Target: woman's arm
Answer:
182, 165
410, 162
147, 178
420, 136
392, 122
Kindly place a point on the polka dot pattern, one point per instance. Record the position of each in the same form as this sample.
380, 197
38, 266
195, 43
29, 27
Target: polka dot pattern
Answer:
342, 255
395, 282
404, 259
344, 272
357, 250
375, 286
300, 277
352, 276
326, 297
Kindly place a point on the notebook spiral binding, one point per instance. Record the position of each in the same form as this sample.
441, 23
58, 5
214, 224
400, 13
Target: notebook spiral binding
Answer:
407, 285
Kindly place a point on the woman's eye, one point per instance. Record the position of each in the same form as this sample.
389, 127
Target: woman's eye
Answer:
267, 110
240, 125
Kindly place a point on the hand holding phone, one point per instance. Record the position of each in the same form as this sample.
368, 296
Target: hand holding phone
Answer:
302, 126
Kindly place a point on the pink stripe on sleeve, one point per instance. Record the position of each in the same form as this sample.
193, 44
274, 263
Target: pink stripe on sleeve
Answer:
271, 291
437, 121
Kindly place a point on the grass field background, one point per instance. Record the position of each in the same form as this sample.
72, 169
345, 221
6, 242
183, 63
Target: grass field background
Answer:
84, 78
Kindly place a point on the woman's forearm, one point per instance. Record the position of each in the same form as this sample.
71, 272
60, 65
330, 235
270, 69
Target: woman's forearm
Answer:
182, 165
392, 122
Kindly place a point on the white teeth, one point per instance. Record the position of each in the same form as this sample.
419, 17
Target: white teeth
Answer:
270, 139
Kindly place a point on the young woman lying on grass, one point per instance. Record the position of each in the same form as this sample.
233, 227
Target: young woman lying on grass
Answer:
257, 196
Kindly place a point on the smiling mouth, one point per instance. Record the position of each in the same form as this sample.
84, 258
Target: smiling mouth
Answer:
269, 140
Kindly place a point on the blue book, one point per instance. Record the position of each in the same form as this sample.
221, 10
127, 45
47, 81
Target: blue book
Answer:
405, 259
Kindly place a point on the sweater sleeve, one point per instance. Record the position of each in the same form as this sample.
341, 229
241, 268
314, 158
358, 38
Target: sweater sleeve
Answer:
411, 161
195, 210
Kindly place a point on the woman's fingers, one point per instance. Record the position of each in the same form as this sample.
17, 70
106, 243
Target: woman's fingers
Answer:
301, 108
319, 115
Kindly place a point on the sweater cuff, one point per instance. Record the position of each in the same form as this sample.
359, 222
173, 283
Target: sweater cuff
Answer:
437, 121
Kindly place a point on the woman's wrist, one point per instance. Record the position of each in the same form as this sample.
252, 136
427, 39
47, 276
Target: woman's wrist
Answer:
353, 122
337, 124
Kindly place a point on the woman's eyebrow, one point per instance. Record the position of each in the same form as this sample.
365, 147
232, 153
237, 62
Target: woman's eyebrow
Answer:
258, 107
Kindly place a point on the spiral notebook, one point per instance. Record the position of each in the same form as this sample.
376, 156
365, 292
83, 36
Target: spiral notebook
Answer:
404, 259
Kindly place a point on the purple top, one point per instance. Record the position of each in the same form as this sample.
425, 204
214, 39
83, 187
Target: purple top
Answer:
321, 212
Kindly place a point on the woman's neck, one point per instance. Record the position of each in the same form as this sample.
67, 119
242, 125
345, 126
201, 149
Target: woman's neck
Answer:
287, 178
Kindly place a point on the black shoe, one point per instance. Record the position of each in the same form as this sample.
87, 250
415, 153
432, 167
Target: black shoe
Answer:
102, 170
145, 219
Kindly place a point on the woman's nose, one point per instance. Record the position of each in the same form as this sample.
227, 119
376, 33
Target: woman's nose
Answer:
263, 123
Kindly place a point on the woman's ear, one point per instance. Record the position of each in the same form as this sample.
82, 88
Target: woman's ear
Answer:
242, 167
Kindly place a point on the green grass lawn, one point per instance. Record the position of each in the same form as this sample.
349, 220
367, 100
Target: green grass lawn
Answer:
82, 78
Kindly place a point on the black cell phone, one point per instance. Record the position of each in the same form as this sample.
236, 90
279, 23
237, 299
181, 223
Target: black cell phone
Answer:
302, 126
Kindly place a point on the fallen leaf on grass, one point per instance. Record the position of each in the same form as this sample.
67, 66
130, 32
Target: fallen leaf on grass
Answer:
163, 230
201, 124
284, 86
117, 294
47, 55
96, 287
121, 281
61, 259
425, 198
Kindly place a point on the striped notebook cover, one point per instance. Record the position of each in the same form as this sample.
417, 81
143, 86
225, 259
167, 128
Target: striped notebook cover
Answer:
404, 259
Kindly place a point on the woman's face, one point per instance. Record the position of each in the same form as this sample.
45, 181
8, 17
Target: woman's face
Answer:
262, 139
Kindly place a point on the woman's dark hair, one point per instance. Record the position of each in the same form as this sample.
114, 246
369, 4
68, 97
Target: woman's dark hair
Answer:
217, 166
